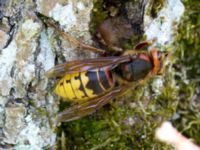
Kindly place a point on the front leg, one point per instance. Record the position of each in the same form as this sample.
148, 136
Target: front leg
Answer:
144, 44
139, 48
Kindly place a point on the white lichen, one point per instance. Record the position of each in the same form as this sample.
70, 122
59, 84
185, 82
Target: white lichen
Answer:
24, 68
64, 15
36, 136
80, 6
3, 38
74, 18
8, 57
46, 56
2, 111
13, 123
156, 85
30, 29
163, 26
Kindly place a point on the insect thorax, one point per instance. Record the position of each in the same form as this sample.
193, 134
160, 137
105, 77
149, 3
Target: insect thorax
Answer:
134, 70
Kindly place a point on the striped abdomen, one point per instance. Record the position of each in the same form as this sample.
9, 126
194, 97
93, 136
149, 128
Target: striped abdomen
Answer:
84, 85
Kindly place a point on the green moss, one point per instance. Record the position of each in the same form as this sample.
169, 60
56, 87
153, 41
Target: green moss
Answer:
98, 15
41, 111
155, 7
188, 68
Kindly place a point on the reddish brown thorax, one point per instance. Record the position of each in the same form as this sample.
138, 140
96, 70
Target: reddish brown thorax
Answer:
138, 68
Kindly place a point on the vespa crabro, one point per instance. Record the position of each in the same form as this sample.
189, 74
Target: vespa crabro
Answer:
92, 83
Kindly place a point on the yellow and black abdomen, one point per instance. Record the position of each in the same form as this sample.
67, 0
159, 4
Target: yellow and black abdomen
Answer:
84, 85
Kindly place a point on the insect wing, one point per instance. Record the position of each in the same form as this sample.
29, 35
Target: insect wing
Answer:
84, 65
88, 107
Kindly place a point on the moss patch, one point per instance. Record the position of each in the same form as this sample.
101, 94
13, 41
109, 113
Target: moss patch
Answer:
155, 7
188, 67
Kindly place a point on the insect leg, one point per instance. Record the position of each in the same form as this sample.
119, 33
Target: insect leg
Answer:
50, 22
144, 44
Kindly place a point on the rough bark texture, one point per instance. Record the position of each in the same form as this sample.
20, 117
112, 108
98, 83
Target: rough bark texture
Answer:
27, 50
